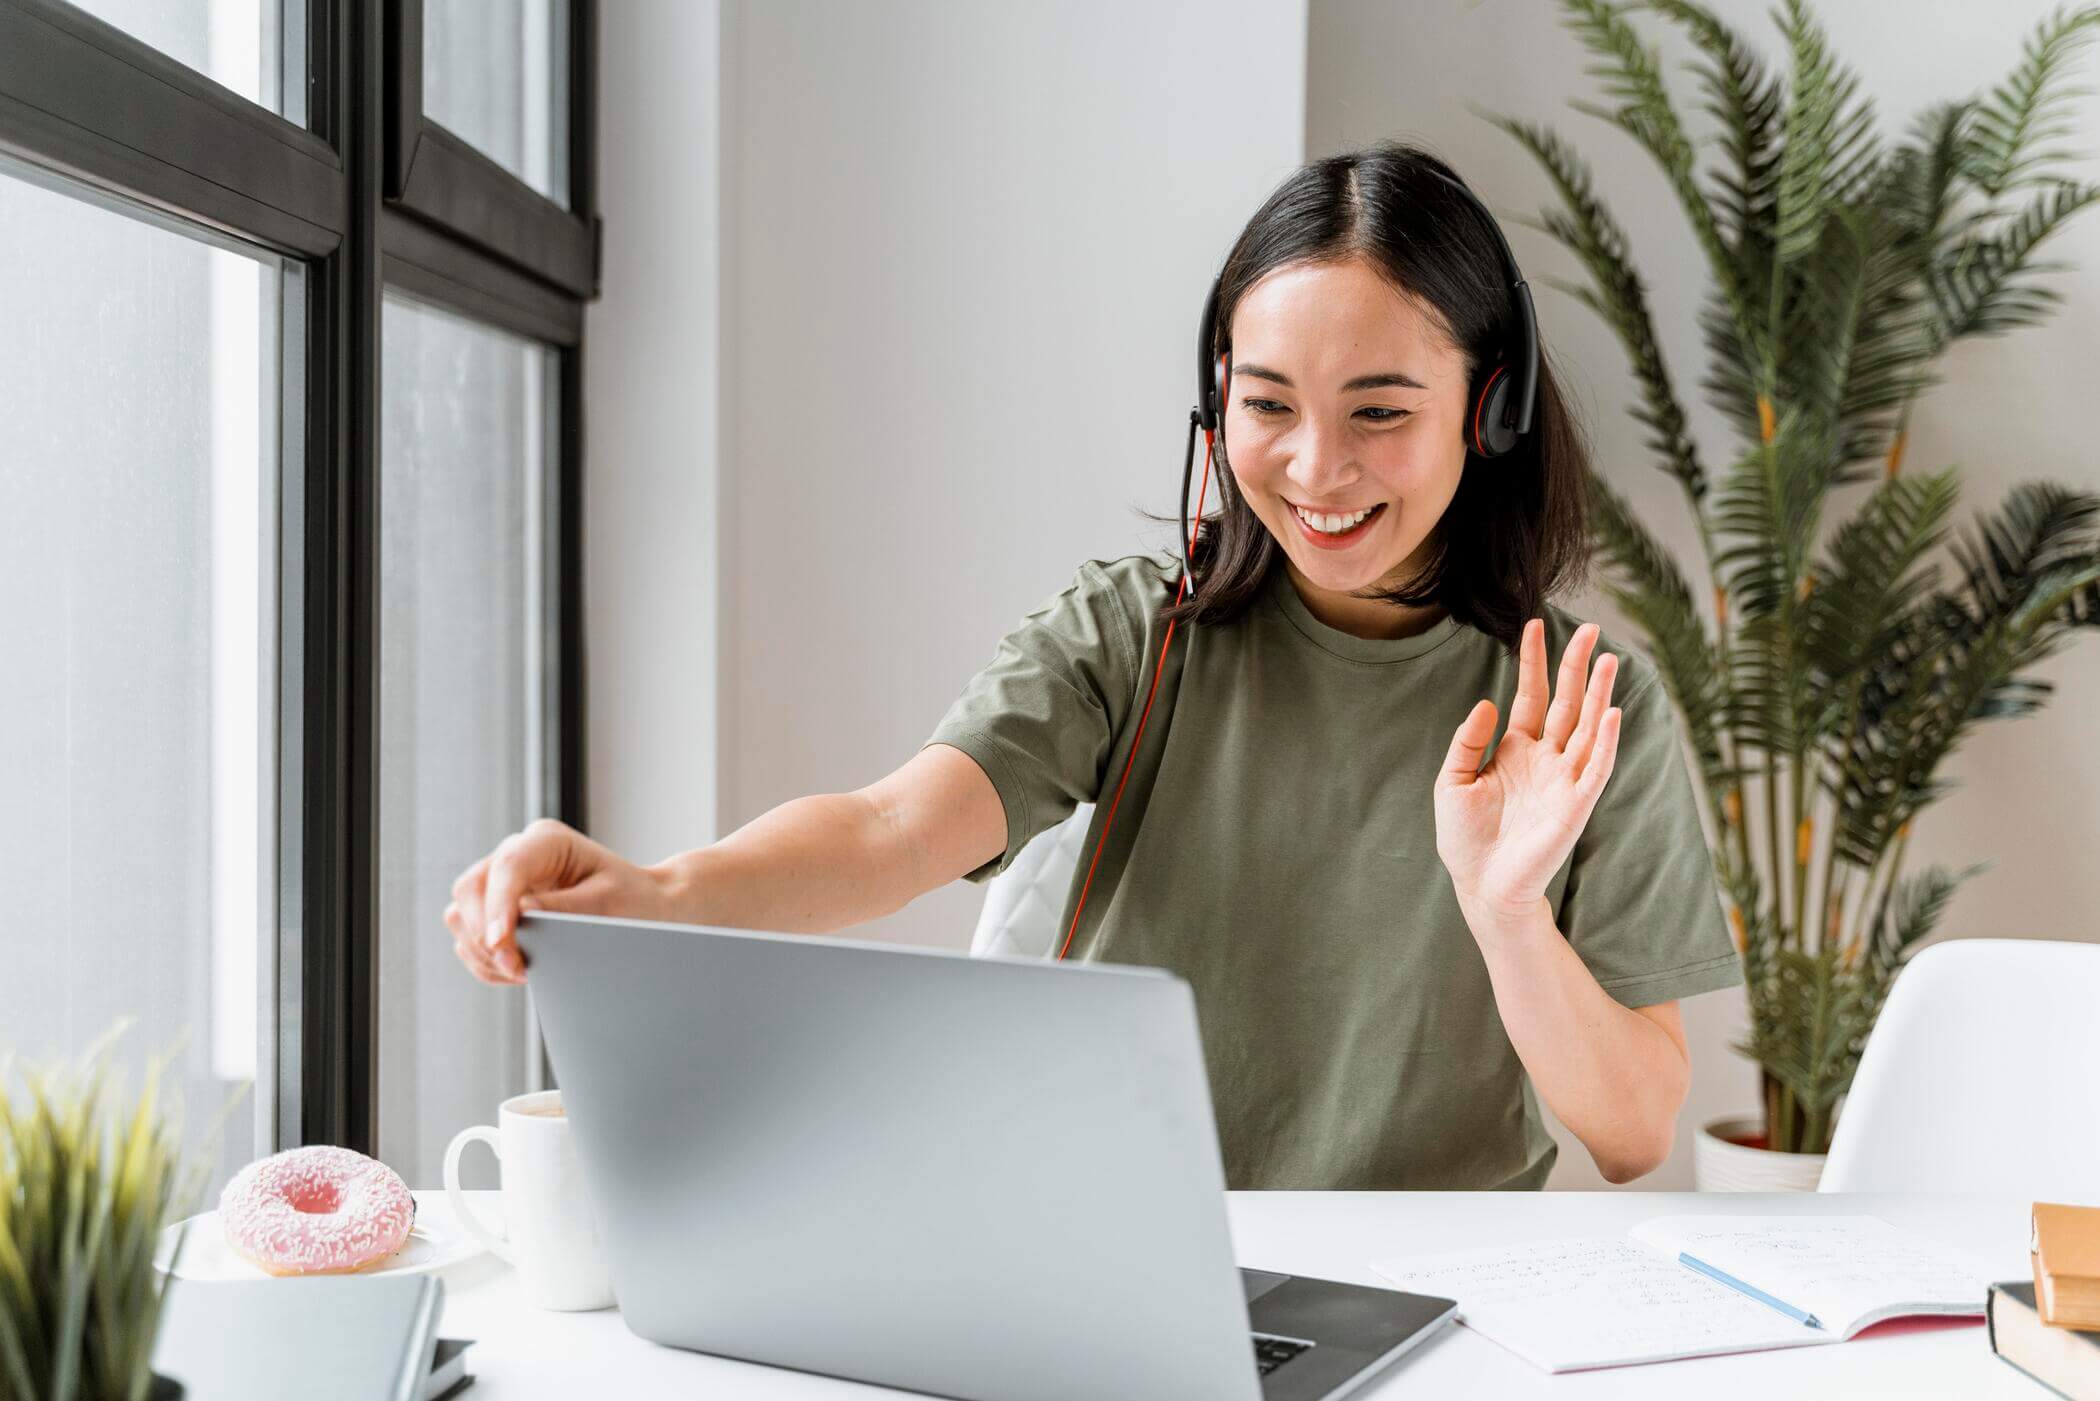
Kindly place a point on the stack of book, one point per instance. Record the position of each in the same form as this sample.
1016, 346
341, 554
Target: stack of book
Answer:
2050, 1328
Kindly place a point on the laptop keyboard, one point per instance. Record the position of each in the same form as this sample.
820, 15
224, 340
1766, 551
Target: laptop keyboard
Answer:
1271, 1352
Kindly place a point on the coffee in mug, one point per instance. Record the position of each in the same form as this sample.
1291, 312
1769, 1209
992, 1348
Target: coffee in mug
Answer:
550, 1234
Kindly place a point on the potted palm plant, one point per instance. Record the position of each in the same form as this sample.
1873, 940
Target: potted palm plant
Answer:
84, 1192
1823, 682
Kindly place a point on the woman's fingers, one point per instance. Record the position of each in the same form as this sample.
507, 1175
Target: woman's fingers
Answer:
1468, 743
1598, 767
548, 865
545, 857
480, 967
471, 951
1527, 710
1594, 701
466, 893
467, 918
1567, 690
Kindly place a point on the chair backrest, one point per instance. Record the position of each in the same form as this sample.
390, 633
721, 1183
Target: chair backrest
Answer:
1023, 902
1981, 1075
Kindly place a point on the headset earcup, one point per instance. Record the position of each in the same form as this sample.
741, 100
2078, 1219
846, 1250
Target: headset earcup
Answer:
1489, 433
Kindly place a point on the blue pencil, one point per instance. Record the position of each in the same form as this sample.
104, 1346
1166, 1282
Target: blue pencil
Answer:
1758, 1294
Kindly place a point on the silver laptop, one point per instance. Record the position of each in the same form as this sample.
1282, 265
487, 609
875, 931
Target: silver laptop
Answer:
984, 1178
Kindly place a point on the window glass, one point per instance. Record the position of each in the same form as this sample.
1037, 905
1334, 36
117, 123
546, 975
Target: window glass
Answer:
466, 426
140, 389
496, 75
247, 45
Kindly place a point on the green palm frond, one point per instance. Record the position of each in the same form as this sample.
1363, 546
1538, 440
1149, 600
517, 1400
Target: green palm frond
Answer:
1619, 299
2039, 528
1972, 286
1747, 103
1888, 342
1765, 516
1734, 375
1632, 73
2030, 107
1644, 581
1765, 511
1830, 142
1960, 657
1923, 180
1876, 560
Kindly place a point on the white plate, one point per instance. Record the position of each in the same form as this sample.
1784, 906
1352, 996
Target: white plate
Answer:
432, 1244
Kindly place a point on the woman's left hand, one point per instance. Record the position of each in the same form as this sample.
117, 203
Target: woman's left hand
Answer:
1502, 831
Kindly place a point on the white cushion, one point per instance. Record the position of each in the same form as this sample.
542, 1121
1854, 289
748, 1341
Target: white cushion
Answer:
1023, 903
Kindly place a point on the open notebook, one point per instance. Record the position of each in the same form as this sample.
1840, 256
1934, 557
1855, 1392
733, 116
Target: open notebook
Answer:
1690, 1286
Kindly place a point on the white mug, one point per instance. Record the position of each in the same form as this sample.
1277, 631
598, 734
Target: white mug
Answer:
551, 1236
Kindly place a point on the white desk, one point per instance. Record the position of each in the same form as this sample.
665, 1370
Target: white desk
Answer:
521, 1351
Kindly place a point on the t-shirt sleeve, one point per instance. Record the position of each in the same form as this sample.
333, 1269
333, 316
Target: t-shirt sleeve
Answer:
1642, 906
1042, 716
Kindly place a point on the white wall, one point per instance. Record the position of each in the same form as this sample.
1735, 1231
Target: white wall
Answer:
652, 414
2012, 408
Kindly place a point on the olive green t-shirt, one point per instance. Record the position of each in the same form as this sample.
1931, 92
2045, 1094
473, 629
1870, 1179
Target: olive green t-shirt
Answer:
1275, 846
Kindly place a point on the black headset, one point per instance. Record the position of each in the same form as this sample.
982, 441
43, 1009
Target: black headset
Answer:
1503, 394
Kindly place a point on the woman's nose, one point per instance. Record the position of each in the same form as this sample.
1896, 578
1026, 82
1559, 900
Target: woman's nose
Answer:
1321, 468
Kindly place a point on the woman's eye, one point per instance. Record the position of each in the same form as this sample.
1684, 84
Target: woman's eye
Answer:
1270, 406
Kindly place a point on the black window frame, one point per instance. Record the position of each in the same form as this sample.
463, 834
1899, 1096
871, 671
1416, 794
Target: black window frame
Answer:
368, 195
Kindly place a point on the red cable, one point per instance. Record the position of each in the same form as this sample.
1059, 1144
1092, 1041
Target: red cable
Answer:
1159, 666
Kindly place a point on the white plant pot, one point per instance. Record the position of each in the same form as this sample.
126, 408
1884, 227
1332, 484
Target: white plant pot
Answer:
1721, 1166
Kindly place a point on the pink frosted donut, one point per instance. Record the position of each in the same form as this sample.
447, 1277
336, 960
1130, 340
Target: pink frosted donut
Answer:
316, 1210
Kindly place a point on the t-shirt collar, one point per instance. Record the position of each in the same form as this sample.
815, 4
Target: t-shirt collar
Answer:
1284, 596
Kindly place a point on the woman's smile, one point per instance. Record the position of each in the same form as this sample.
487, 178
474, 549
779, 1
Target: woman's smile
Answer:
1334, 530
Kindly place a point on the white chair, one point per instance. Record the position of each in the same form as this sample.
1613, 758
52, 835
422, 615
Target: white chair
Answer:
1981, 1075
1022, 903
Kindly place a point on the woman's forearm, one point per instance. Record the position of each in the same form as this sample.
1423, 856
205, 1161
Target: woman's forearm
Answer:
1613, 1076
809, 866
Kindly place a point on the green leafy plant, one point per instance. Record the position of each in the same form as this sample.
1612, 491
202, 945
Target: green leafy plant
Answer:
84, 1193
1836, 676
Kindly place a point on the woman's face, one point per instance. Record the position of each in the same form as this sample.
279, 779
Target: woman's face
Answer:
1345, 397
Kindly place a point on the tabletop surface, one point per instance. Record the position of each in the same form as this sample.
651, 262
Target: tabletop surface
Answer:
522, 1351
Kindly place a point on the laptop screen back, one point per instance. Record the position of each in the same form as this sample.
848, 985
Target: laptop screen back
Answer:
960, 1176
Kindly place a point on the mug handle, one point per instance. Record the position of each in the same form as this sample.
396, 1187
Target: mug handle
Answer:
482, 1132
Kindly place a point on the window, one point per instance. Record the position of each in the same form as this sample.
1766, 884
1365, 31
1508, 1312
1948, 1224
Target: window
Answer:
247, 46
492, 75
468, 416
243, 369
140, 384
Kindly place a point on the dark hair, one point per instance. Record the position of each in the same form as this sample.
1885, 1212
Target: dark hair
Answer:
1514, 532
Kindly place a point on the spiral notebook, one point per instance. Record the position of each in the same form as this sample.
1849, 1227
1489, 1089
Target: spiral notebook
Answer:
1693, 1286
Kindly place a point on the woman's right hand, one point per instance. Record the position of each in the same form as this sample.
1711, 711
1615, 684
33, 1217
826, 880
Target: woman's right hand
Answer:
548, 866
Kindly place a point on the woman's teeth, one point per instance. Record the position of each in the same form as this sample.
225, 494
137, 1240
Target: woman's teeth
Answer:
1333, 525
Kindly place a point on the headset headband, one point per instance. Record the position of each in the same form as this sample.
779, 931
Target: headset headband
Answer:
1517, 400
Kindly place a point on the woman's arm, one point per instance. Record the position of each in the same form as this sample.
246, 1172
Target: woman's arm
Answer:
822, 863
812, 865
1616, 1076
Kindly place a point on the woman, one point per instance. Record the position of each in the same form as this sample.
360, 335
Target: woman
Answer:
1395, 949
